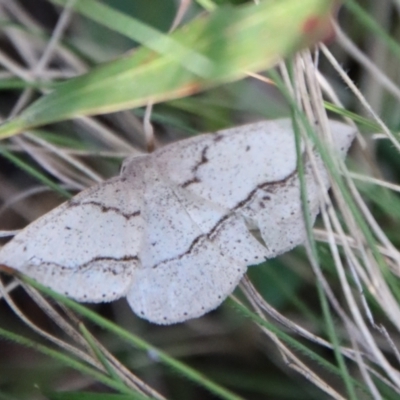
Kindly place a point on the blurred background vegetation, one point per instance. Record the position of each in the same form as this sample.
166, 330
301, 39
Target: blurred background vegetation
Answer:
229, 348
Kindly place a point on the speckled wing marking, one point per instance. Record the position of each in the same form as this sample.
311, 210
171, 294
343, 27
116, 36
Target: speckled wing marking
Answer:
172, 231
215, 185
258, 183
87, 248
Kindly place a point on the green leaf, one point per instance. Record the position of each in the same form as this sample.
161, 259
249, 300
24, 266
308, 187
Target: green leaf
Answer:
93, 396
227, 44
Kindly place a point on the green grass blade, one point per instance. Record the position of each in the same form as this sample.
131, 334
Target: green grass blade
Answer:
370, 23
34, 172
141, 33
94, 396
99, 354
295, 344
66, 360
233, 39
137, 342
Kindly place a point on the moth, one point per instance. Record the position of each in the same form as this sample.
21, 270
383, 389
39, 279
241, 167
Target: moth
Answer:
173, 232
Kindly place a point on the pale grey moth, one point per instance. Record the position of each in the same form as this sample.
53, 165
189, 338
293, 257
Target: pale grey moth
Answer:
172, 231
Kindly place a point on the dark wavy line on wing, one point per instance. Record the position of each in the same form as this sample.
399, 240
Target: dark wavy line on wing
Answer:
105, 209
243, 203
91, 261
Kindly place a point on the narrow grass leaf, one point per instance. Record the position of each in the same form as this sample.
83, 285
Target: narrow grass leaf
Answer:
234, 41
94, 396
34, 172
66, 360
132, 339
